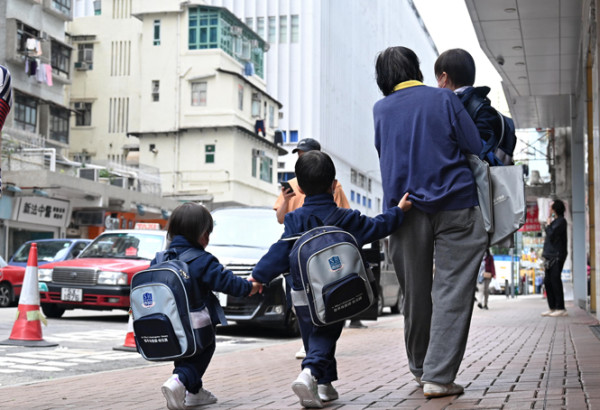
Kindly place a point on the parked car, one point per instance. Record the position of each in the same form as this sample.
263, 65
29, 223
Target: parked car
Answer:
389, 293
241, 236
49, 250
100, 277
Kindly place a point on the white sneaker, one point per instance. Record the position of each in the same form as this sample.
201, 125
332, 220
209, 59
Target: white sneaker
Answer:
431, 389
327, 392
174, 392
199, 399
548, 312
559, 312
305, 387
301, 354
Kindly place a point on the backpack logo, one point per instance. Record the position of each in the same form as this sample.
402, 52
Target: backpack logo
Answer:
147, 299
335, 263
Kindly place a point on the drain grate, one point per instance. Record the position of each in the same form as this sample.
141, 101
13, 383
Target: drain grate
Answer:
596, 330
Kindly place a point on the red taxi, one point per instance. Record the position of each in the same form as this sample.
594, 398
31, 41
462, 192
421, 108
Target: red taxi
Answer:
99, 278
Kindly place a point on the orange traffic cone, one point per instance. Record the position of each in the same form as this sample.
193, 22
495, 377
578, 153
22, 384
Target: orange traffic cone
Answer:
27, 330
129, 345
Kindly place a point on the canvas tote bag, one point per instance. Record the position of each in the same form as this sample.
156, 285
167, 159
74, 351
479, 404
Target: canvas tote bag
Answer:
501, 197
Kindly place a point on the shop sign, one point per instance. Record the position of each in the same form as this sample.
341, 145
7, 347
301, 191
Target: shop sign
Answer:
531, 224
44, 211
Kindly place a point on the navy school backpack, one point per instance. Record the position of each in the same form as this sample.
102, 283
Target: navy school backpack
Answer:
166, 323
327, 265
498, 150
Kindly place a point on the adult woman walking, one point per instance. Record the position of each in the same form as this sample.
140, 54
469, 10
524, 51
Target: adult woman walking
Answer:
422, 135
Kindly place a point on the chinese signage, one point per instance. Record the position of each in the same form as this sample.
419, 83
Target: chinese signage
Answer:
43, 211
531, 224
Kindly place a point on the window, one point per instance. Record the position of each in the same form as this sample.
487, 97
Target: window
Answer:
209, 154
295, 29
272, 30
155, 90
293, 136
59, 124
24, 33
25, 117
240, 97
370, 203
364, 200
358, 198
283, 29
255, 104
353, 176
60, 59
250, 22
199, 94
97, 7
266, 169
156, 40
83, 114
352, 195
260, 26
271, 116
63, 6
85, 53
203, 28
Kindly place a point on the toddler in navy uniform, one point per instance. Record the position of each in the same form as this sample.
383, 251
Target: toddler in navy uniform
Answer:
190, 226
316, 174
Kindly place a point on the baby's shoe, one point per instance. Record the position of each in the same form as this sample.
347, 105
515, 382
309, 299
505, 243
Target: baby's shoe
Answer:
174, 392
305, 387
199, 399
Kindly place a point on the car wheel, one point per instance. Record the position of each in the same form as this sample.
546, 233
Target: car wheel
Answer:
379, 303
52, 310
6, 294
398, 308
292, 328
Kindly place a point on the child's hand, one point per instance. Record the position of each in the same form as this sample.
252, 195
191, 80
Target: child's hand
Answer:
256, 286
405, 204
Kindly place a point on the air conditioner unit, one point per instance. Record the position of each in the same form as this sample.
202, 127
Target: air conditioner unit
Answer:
44, 36
121, 182
82, 66
92, 174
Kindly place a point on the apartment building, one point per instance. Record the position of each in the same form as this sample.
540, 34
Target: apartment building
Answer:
178, 87
46, 194
320, 65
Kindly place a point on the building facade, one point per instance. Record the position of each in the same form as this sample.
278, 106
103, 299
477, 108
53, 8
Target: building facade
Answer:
321, 66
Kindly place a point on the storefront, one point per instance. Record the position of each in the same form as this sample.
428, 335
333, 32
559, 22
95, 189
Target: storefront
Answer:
31, 217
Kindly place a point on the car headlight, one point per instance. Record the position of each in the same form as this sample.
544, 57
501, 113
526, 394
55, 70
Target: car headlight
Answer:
112, 278
45, 275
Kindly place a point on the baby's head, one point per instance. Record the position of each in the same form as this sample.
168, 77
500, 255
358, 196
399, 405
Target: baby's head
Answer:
315, 172
192, 221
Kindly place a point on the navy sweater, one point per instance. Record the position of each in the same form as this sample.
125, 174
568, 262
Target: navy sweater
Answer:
422, 135
210, 276
364, 229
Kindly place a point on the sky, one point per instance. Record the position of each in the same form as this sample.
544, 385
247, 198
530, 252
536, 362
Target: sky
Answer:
450, 26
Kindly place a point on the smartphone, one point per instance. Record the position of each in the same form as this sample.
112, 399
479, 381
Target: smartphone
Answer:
287, 186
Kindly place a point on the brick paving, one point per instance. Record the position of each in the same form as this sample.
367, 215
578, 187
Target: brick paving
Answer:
515, 359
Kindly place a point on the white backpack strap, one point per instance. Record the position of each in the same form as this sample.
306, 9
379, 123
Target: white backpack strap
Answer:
299, 298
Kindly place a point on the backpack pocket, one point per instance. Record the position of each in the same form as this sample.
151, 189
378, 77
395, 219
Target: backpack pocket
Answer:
204, 330
155, 337
345, 298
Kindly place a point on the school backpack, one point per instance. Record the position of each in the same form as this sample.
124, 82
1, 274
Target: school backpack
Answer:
326, 263
166, 324
498, 150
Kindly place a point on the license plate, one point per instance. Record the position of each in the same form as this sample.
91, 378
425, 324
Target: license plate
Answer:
71, 294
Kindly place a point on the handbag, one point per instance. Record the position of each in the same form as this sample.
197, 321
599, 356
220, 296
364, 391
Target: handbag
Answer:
501, 197
487, 275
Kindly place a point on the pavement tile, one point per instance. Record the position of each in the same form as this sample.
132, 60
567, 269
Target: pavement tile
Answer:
518, 360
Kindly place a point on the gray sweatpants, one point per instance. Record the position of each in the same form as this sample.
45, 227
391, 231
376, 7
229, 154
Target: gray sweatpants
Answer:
438, 307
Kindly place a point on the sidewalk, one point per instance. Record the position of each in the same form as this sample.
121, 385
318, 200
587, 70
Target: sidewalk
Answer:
515, 359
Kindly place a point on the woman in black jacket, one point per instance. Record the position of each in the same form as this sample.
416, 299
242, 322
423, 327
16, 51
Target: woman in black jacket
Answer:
555, 254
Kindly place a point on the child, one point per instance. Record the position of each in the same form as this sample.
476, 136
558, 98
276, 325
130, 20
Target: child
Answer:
190, 226
455, 70
316, 173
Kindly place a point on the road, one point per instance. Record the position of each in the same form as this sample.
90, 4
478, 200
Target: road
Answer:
85, 342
